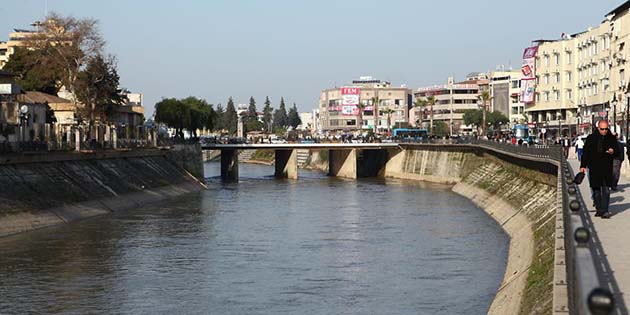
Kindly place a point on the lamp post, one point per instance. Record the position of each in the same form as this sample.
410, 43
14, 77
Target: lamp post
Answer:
614, 104
23, 121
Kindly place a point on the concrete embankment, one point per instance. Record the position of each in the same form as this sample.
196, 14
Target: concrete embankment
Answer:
521, 200
44, 190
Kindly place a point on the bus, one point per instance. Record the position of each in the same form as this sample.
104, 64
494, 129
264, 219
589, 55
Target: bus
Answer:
521, 132
410, 134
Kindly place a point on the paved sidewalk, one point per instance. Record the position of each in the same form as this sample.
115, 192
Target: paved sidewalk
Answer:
613, 235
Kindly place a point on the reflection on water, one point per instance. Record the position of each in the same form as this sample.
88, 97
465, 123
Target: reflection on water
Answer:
318, 245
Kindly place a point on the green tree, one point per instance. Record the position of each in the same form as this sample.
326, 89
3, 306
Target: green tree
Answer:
267, 115
376, 111
389, 112
219, 118
97, 89
441, 128
250, 120
485, 97
36, 70
294, 117
473, 117
200, 115
496, 119
231, 118
174, 114
280, 118
421, 104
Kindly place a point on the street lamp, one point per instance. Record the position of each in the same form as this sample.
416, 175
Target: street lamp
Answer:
614, 104
23, 120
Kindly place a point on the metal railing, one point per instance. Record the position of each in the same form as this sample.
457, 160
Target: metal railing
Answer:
587, 289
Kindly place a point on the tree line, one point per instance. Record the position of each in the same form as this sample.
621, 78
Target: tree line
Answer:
194, 114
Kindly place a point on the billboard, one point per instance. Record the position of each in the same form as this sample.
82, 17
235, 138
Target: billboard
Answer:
528, 75
350, 100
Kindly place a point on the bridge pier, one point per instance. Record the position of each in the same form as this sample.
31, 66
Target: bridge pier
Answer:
229, 164
286, 164
395, 162
343, 163
371, 162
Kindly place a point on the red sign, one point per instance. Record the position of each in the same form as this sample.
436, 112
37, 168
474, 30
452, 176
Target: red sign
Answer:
350, 90
603, 114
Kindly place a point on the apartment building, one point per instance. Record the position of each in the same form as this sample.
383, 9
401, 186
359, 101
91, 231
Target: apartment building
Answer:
451, 101
338, 110
579, 75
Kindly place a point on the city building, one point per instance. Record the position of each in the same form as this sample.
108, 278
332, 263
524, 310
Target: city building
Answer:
451, 101
578, 76
339, 109
16, 39
505, 90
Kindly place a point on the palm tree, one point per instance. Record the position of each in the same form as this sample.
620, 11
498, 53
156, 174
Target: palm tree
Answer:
375, 103
485, 96
360, 106
420, 103
431, 102
389, 112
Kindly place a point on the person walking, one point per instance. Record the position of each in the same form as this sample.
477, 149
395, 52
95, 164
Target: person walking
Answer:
600, 149
579, 147
566, 144
617, 161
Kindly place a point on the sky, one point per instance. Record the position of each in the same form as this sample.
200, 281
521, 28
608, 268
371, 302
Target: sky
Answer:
215, 49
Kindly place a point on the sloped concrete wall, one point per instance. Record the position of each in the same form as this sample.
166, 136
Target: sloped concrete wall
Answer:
521, 200
40, 194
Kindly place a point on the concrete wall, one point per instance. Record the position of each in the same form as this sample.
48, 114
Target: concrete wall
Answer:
520, 199
64, 188
189, 158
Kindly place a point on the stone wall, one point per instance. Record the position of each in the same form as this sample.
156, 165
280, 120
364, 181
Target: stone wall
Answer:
64, 188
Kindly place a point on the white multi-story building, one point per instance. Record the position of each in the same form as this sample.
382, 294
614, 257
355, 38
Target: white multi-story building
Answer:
505, 90
391, 110
579, 76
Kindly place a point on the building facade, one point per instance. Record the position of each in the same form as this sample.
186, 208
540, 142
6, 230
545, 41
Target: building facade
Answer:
338, 113
452, 100
505, 88
579, 76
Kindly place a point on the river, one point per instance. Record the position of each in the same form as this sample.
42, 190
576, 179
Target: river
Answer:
318, 245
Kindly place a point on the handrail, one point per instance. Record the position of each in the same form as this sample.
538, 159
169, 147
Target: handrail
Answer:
587, 290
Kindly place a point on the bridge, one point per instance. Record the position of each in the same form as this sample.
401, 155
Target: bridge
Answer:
349, 160
591, 271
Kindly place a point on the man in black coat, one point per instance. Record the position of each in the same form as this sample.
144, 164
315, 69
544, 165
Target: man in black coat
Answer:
599, 150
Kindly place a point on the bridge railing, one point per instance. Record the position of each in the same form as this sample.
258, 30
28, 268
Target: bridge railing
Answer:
586, 288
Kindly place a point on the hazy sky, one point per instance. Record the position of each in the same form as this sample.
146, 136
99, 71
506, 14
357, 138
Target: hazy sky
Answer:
219, 48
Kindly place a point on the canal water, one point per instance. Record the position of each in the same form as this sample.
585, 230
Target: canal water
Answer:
318, 245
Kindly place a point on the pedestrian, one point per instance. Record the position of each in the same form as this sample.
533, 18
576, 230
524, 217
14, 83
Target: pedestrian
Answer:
579, 147
513, 140
617, 161
599, 151
565, 146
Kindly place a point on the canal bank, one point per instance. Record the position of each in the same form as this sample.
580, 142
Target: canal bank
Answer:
49, 189
520, 198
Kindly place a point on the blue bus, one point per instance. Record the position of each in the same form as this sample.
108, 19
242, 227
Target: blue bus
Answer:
521, 132
410, 134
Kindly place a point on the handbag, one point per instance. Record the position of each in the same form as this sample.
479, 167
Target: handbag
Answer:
579, 177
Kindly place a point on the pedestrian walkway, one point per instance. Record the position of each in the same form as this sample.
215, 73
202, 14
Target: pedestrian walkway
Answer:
614, 237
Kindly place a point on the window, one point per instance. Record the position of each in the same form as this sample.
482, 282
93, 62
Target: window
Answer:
594, 48
537, 98
594, 89
547, 96
556, 77
557, 57
547, 60
568, 56
516, 84
556, 95
569, 94
569, 76
547, 78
